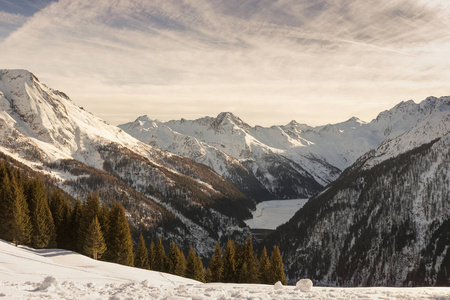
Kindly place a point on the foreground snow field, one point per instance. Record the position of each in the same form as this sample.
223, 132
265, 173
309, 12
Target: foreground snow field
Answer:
271, 214
59, 274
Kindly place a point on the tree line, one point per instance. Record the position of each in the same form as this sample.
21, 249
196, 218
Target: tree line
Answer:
237, 263
34, 216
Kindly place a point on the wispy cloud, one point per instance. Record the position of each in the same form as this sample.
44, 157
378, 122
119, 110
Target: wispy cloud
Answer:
269, 62
12, 19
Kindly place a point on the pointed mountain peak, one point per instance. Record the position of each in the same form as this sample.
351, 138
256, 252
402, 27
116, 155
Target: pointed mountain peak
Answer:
431, 102
17, 73
19, 77
142, 122
412, 108
405, 104
143, 119
355, 120
227, 115
224, 117
298, 126
229, 121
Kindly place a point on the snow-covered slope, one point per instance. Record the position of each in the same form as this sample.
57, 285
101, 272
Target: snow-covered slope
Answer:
49, 120
409, 125
318, 153
45, 130
60, 274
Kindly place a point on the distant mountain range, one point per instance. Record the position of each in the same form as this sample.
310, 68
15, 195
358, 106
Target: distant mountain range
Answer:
294, 160
380, 190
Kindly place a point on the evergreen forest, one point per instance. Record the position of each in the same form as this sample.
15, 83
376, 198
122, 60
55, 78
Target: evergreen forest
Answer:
40, 215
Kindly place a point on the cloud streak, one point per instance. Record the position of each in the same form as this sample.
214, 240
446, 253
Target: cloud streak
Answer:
267, 61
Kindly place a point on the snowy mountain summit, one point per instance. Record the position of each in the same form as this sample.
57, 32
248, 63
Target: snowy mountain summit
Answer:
272, 155
52, 123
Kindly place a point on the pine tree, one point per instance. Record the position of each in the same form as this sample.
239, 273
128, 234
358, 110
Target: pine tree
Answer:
75, 224
171, 258
160, 257
208, 275
6, 206
248, 264
103, 217
60, 209
43, 234
94, 242
141, 255
176, 261
118, 238
151, 255
3, 172
90, 210
216, 265
15, 223
264, 268
229, 263
194, 267
276, 267
200, 273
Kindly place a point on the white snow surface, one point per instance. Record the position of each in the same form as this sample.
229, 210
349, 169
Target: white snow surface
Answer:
26, 273
271, 214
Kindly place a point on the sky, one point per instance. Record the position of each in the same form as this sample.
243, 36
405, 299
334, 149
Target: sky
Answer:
267, 61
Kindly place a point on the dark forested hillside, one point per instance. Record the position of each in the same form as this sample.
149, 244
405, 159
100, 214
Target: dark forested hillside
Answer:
385, 225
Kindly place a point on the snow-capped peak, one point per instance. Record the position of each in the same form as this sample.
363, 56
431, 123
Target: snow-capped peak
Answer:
355, 120
314, 148
54, 124
143, 119
225, 119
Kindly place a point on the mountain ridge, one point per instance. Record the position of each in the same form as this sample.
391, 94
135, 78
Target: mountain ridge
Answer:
320, 152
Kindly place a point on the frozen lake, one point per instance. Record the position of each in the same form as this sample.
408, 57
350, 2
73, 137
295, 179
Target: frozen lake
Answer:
271, 214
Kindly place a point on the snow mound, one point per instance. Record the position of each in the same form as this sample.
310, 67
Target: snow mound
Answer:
50, 283
278, 286
304, 285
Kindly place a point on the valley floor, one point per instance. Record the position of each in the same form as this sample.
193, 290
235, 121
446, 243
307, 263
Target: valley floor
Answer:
271, 214
59, 274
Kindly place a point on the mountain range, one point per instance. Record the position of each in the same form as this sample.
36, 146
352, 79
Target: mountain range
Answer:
379, 210
293, 160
